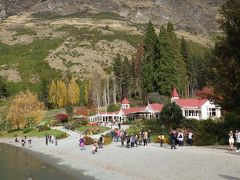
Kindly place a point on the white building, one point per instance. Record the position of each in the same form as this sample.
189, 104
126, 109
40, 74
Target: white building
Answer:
196, 108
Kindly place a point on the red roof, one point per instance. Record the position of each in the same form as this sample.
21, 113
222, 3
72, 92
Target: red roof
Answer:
125, 101
174, 93
190, 102
133, 110
156, 107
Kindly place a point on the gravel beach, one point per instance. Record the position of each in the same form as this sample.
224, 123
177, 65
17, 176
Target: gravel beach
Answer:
151, 162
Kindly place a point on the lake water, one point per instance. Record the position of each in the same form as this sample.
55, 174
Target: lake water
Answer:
18, 164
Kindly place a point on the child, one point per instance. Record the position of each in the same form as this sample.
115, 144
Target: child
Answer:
94, 149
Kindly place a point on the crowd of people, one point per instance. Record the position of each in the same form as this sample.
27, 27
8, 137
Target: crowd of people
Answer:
180, 138
23, 141
96, 145
234, 139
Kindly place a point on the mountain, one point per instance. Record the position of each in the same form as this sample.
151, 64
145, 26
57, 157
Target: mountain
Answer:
54, 38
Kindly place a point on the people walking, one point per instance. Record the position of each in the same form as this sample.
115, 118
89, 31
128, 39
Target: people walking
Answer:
180, 138
231, 140
238, 141
145, 138
161, 137
46, 139
190, 138
101, 141
82, 143
149, 136
173, 139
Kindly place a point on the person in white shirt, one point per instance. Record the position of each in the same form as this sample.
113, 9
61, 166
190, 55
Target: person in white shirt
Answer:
190, 138
180, 138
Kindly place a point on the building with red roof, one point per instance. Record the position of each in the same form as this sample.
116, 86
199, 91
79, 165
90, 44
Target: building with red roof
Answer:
127, 112
196, 108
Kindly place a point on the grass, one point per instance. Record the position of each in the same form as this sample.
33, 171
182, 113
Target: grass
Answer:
94, 36
24, 31
28, 59
102, 128
96, 16
34, 133
197, 49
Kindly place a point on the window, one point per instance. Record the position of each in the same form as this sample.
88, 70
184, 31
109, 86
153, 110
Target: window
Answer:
212, 111
186, 112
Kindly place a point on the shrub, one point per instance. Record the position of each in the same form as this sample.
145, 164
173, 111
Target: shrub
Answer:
12, 130
83, 122
27, 130
62, 117
62, 136
88, 140
1, 135
107, 139
43, 128
113, 107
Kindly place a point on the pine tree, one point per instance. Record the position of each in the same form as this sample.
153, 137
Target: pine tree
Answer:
3, 89
189, 66
225, 66
52, 94
165, 66
181, 70
147, 73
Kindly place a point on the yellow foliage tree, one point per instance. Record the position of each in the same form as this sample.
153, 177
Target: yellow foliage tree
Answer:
61, 100
73, 92
25, 110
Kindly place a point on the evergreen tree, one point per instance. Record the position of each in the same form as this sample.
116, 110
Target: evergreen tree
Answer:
126, 68
165, 66
171, 115
150, 46
181, 72
52, 94
3, 88
191, 74
225, 67
43, 95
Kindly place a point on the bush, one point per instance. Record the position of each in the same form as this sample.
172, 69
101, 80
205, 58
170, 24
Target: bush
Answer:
88, 140
62, 118
27, 130
1, 135
107, 139
12, 130
43, 128
62, 136
113, 107
83, 122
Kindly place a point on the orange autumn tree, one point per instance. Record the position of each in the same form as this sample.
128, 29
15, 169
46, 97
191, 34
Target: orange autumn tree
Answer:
25, 110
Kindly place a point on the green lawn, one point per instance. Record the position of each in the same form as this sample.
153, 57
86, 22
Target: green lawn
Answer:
102, 128
33, 133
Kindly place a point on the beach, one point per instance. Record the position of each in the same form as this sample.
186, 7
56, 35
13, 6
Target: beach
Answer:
152, 162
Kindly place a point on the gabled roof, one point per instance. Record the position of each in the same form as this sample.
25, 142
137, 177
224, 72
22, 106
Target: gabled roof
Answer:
175, 93
133, 110
156, 107
190, 102
125, 101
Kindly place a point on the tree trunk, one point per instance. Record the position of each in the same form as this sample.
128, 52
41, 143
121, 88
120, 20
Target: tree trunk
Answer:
114, 92
108, 96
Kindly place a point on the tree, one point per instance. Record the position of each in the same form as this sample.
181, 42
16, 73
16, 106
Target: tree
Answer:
44, 93
171, 115
147, 73
3, 88
25, 110
225, 66
73, 94
181, 72
165, 66
127, 80
52, 94
191, 74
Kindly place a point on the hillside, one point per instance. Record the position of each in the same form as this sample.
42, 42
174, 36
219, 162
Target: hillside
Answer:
54, 38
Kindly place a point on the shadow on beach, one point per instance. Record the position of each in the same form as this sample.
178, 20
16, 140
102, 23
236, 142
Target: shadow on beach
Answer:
229, 177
